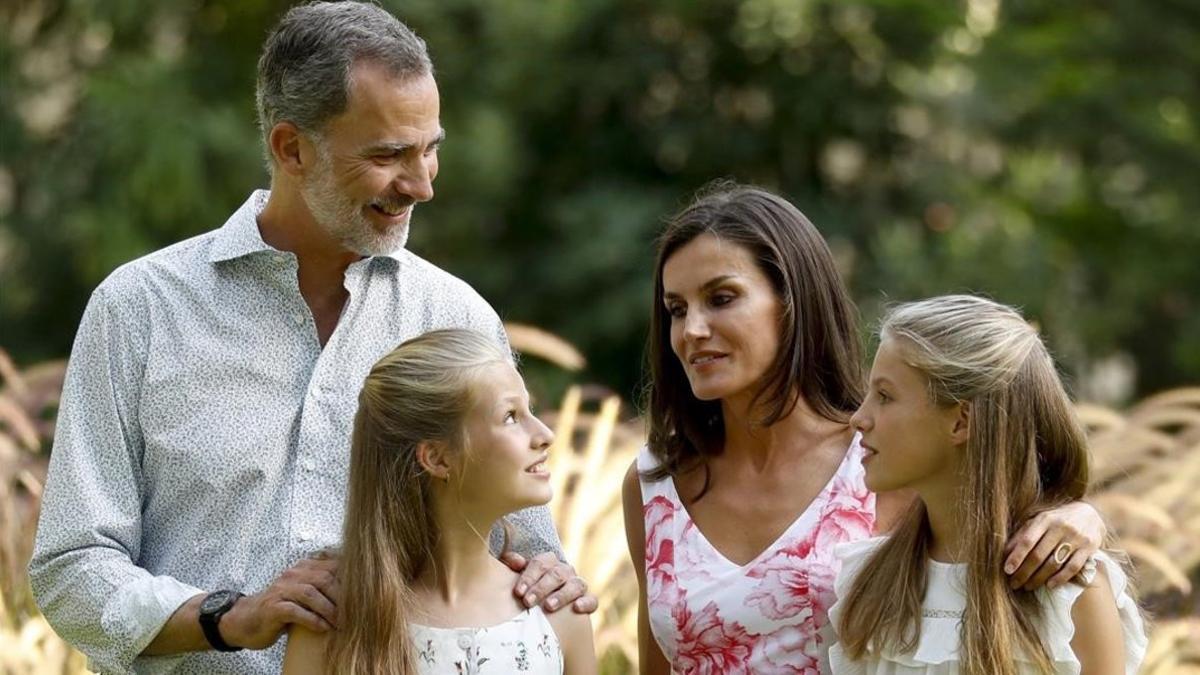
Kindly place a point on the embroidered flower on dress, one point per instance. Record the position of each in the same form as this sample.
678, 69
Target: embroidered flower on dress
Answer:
522, 658
428, 653
544, 647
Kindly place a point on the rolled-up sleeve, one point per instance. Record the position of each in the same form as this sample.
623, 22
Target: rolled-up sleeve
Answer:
83, 572
534, 533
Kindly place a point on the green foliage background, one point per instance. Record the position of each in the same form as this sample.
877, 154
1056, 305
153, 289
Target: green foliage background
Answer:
1045, 153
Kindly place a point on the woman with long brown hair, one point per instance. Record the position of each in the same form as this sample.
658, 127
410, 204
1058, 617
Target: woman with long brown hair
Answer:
965, 407
752, 473
444, 446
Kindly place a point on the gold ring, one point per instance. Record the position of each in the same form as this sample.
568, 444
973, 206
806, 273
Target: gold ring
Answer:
1062, 553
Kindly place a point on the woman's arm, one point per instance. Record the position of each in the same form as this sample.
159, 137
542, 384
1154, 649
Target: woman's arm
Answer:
1098, 643
650, 658
305, 653
1031, 553
574, 633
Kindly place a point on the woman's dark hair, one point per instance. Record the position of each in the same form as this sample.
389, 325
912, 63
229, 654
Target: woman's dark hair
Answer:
819, 356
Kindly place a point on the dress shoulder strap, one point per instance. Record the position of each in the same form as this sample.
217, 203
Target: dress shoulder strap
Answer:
646, 461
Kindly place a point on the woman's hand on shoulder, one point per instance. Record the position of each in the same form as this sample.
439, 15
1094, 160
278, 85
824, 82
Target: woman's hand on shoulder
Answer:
1098, 642
1053, 546
305, 653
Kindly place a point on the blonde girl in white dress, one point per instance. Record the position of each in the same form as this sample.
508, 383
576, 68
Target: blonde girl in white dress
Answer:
965, 407
444, 446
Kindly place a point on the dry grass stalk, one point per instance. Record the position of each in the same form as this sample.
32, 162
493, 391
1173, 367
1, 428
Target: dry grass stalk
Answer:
27, 399
1147, 469
591, 453
527, 339
1174, 648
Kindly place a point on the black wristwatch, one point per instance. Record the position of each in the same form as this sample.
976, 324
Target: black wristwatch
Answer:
214, 606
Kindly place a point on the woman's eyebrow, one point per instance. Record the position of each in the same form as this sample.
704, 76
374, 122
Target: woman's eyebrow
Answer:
715, 281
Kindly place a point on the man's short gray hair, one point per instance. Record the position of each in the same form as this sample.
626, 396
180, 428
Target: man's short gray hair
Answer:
304, 71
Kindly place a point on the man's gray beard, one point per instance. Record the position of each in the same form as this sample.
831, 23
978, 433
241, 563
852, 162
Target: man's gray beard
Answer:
343, 220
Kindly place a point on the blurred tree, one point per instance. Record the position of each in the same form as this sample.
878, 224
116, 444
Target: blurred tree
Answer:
1045, 154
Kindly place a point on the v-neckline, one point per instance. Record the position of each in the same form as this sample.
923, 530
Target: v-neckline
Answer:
787, 531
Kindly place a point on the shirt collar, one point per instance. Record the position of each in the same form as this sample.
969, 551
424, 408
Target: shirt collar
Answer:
239, 236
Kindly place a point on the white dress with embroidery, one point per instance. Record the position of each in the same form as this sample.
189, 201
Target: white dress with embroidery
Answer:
524, 644
937, 651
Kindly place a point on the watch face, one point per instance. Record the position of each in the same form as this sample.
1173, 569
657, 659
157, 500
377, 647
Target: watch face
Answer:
216, 601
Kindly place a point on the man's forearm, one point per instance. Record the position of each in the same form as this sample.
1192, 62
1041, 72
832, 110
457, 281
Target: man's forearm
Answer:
181, 633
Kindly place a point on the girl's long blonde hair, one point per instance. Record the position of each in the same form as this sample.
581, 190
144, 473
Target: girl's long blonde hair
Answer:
421, 391
1026, 453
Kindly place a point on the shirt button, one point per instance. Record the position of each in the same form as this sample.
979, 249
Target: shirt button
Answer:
464, 641
305, 536
298, 318
309, 465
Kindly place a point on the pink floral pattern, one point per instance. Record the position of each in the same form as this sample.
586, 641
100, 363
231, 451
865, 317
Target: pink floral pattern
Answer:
786, 586
661, 588
707, 644
768, 617
791, 649
697, 559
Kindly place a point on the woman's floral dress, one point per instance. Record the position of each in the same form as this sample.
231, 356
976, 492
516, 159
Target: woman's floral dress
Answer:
767, 617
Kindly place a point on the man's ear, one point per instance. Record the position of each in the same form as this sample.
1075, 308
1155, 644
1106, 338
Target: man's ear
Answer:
292, 151
961, 432
434, 458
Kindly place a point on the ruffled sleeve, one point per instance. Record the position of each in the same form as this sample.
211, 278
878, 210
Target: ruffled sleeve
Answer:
851, 557
1060, 629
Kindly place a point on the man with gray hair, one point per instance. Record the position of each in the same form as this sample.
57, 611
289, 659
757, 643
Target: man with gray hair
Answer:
200, 461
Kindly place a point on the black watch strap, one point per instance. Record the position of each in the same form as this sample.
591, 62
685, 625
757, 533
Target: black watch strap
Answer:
212, 608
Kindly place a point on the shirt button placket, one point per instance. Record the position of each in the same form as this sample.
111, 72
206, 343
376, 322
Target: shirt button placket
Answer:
306, 489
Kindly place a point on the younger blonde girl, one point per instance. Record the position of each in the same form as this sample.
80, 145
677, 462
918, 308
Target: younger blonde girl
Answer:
444, 446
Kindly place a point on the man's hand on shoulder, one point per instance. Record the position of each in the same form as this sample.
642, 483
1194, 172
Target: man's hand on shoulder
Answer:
547, 580
306, 594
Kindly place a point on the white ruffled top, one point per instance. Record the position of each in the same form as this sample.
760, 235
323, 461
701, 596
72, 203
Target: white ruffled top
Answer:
937, 651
